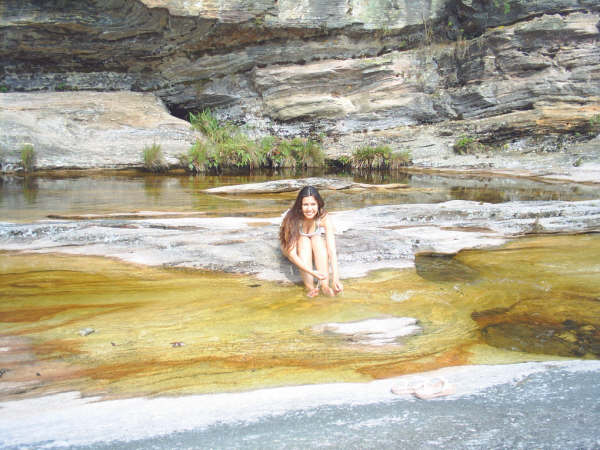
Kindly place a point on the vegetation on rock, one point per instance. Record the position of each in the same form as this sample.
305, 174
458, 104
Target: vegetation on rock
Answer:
466, 145
228, 147
153, 159
379, 157
595, 123
27, 157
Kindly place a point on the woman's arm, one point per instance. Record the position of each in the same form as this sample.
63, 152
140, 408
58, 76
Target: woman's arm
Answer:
332, 252
292, 255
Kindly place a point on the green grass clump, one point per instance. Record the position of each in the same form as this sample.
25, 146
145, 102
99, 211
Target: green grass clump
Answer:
209, 126
228, 147
197, 158
298, 152
280, 154
379, 157
308, 153
466, 145
153, 159
27, 157
274, 156
239, 151
343, 161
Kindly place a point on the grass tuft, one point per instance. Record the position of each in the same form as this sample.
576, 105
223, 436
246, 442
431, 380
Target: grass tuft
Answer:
153, 159
379, 157
228, 147
28, 157
466, 145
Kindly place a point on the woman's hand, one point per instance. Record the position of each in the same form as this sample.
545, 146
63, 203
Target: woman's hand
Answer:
338, 286
319, 275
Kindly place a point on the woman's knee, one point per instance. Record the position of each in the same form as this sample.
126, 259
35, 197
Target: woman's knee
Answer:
304, 247
319, 249
318, 246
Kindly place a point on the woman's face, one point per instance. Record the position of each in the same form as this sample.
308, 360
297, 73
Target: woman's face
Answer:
310, 207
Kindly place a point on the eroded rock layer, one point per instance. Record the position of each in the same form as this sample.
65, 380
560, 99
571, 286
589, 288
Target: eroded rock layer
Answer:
359, 72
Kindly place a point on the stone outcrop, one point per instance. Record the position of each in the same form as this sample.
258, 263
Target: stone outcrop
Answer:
416, 77
91, 129
372, 238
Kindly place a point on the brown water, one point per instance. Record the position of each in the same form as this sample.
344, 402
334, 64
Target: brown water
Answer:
24, 199
172, 332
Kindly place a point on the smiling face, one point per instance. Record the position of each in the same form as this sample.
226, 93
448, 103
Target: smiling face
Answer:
310, 207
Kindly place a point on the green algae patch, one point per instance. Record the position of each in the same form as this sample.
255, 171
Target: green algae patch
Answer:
106, 327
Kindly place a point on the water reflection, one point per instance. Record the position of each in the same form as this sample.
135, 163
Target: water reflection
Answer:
380, 177
484, 194
36, 196
153, 186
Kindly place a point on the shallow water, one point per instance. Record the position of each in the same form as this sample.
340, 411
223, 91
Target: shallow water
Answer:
36, 197
108, 328
158, 331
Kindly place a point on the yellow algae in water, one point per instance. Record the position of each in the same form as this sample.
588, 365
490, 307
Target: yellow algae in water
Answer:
166, 331
156, 331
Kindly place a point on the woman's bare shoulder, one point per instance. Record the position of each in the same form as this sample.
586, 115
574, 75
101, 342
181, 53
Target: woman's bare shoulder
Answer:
326, 220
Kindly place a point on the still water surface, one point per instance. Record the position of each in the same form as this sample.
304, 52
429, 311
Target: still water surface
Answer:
36, 197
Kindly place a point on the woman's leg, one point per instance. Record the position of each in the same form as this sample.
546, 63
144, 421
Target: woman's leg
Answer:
305, 253
319, 250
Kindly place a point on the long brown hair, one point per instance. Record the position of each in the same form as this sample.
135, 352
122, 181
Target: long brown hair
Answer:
290, 226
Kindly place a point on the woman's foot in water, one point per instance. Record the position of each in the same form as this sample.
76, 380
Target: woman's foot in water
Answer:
327, 290
312, 292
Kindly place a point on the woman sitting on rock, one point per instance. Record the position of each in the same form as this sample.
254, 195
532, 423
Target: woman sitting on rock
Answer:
307, 235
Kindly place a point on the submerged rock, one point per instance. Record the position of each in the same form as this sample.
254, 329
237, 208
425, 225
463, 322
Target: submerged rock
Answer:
372, 331
564, 327
281, 186
86, 331
443, 267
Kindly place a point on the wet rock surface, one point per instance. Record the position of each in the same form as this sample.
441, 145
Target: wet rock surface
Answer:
550, 405
368, 238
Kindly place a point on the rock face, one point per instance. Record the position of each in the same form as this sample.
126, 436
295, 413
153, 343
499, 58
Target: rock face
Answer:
513, 72
90, 129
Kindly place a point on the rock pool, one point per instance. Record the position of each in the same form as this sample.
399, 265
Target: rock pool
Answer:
524, 306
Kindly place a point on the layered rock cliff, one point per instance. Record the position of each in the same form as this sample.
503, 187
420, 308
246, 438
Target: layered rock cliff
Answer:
415, 75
